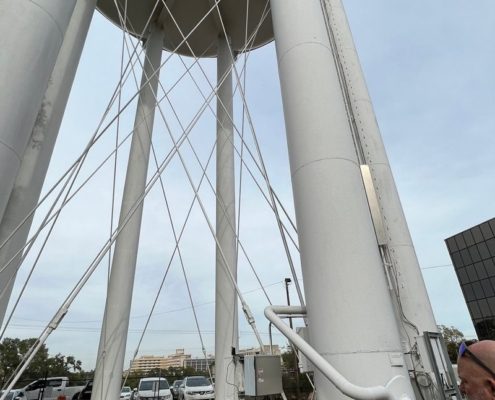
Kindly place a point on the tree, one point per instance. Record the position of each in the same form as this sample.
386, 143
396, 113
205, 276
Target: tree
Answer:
289, 381
12, 351
453, 337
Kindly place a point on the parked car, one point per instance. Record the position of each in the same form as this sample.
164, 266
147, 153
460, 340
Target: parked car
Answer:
175, 389
155, 388
126, 393
196, 388
85, 393
13, 395
52, 388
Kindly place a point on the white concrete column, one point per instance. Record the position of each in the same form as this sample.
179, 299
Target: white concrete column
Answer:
350, 313
226, 324
32, 171
31, 34
111, 352
413, 295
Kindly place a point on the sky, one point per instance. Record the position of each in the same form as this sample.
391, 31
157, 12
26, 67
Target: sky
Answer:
429, 69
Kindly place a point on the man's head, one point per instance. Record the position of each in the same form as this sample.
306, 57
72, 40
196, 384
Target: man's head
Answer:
476, 369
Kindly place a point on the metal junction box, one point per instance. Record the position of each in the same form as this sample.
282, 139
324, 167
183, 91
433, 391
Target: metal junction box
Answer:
262, 375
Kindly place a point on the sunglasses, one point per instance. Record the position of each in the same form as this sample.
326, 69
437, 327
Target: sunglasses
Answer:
463, 350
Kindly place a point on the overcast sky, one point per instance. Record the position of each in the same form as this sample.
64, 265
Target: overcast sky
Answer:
429, 68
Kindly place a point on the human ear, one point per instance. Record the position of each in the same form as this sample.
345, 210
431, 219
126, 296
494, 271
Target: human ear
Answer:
491, 383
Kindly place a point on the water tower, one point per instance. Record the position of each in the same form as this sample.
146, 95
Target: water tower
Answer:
352, 232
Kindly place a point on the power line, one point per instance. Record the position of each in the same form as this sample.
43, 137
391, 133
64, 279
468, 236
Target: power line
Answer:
438, 266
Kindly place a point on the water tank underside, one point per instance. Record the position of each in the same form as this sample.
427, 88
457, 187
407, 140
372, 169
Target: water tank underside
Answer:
197, 20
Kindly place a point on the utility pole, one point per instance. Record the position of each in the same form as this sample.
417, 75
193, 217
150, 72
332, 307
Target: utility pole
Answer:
296, 366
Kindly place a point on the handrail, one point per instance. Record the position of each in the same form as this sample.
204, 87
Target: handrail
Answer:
342, 384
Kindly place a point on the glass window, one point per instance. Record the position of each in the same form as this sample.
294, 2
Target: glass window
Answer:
492, 224
457, 260
468, 292
462, 276
197, 381
491, 303
468, 238
478, 236
486, 230
475, 255
488, 288
157, 384
451, 245
474, 310
484, 308
489, 324
489, 267
480, 270
473, 277
483, 250
461, 244
491, 246
481, 329
478, 291
466, 258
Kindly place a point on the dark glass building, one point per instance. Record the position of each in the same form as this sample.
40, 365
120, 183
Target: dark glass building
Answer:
473, 255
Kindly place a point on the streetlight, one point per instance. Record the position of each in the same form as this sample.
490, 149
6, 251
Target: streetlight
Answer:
296, 366
287, 283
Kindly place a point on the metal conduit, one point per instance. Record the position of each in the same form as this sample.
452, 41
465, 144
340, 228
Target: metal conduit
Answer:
342, 384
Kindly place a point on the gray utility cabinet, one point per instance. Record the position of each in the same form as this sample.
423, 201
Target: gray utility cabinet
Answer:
262, 375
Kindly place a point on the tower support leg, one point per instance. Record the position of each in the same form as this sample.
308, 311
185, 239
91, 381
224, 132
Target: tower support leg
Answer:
111, 352
350, 313
414, 297
412, 300
31, 34
226, 321
34, 165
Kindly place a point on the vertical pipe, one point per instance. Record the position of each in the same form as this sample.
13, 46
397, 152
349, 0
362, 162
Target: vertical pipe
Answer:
111, 352
351, 320
31, 34
413, 295
296, 364
226, 335
32, 171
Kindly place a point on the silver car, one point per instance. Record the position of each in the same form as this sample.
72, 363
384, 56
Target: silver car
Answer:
196, 388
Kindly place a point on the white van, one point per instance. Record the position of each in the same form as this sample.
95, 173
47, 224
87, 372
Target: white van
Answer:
154, 389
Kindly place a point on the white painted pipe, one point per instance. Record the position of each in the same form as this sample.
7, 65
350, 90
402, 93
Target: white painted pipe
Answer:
342, 384
413, 294
111, 352
351, 321
32, 171
226, 319
31, 34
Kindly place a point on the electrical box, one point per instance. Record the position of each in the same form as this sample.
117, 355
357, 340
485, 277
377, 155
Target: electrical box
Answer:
262, 375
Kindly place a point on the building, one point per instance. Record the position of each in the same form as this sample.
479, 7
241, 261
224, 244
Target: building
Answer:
275, 350
147, 363
178, 359
200, 364
473, 255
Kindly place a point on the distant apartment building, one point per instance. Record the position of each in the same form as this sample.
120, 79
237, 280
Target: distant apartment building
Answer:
473, 255
267, 349
178, 359
146, 363
200, 364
